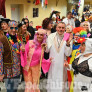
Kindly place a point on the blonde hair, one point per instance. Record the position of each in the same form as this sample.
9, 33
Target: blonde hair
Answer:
81, 25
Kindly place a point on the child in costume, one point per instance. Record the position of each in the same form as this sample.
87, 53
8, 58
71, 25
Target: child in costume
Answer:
30, 61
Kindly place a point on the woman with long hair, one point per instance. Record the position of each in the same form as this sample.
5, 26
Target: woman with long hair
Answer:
23, 34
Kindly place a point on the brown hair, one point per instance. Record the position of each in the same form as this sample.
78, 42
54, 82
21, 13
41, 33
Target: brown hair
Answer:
20, 32
46, 22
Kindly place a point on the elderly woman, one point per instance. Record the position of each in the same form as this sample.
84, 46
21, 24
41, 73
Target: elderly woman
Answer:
30, 61
82, 67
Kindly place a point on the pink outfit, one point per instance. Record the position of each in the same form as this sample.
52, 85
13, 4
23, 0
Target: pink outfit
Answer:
30, 61
31, 57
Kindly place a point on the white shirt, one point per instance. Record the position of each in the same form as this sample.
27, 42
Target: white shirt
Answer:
69, 21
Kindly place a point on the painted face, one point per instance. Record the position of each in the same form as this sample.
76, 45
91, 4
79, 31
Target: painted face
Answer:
60, 28
76, 37
4, 26
24, 28
82, 47
40, 36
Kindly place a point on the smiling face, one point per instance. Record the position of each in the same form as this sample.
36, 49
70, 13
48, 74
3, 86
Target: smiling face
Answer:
24, 28
13, 27
86, 26
60, 28
4, 26
40, 35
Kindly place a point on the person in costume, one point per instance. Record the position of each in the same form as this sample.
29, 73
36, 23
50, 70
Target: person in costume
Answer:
30, 29
58, 49
55, 16
23, 34
82, 67
10, 58
78, 32
30, 61
4, 25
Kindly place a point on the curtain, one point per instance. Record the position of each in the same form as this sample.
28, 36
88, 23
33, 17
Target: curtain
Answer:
2, 8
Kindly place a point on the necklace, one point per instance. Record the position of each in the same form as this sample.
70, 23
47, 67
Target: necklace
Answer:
59, 43
13, 44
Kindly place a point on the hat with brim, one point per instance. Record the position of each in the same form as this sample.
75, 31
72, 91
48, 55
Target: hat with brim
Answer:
6, 20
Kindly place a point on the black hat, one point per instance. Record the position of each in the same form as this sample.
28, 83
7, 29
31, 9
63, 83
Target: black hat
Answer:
56, 12
6, 20
22, 23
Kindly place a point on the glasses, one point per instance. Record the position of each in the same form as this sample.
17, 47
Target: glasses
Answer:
40, 34
13, 28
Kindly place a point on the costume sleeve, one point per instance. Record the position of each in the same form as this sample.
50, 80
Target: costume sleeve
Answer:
68, 50
24, 55
45, 65
1, 58
90, 64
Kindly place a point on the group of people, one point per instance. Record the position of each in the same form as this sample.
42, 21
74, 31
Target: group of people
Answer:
62, 52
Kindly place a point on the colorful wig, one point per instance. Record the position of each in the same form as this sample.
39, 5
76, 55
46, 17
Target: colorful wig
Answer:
36, 41
81, 31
